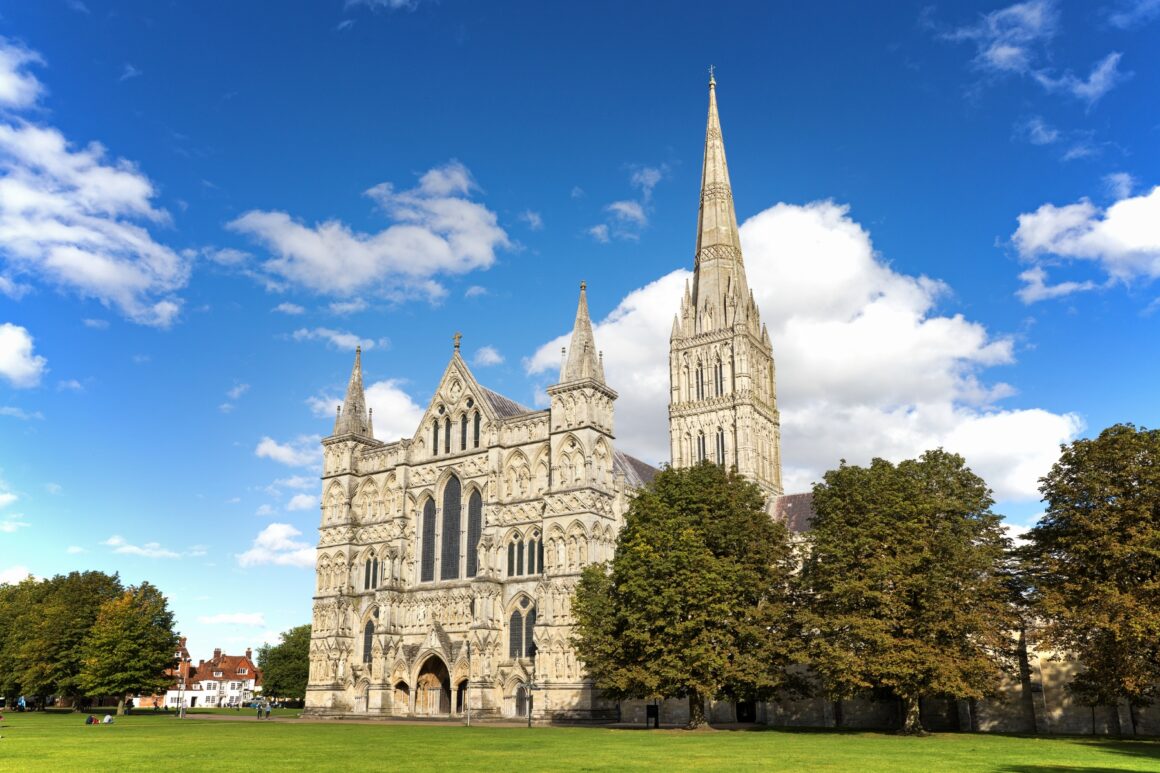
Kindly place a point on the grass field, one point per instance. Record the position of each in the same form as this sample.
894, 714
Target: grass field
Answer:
52, 742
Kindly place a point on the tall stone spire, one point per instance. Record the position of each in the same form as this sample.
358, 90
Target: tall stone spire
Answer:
582, 359
723, 386
720, 291
353, 418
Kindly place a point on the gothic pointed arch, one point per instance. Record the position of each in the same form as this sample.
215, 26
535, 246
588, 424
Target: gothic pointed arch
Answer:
452, 518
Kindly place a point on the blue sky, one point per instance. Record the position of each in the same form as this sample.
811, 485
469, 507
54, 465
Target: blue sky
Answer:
951, 224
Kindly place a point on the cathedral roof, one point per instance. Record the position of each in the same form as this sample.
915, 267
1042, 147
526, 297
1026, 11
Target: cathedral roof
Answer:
504, 407
636, 473
796, 511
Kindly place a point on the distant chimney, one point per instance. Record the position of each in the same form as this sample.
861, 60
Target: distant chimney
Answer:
248, 653
217, 653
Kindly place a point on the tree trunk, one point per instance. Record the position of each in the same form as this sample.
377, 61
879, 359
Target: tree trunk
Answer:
696, 710
911, 716
1132, 716
121, 707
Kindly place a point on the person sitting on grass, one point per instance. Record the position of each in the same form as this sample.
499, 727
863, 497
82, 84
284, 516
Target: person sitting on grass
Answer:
90, 720
108, 720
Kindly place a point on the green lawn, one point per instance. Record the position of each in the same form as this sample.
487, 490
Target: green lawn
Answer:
38, 741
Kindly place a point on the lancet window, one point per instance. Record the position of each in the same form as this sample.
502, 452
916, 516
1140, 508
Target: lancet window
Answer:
427, 565
449, 564
521, 629
474, 531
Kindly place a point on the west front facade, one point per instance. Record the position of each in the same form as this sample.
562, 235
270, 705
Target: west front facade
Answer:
447, 560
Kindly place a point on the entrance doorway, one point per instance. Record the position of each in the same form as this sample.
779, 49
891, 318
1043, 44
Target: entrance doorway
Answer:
461, 697
521, 701
433, 689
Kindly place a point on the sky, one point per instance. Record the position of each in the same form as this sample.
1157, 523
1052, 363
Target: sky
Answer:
950, 218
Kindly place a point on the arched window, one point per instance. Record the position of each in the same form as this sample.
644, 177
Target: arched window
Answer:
511, 559
476, 432
700, 446
463, 432
521, 627
447, 435
540, 555
719, 377
368, 640
532, 557
516, 635
720, 446
367, 576
452, 507
427, 567
700, 382
375, 573
474, 530
519, 556
435, 438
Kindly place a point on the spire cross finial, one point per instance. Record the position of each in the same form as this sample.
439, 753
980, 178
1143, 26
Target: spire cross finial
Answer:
456, 339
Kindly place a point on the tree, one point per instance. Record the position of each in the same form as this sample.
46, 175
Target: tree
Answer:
695, 602
908, 583
130, 646
45, 622
286, 665
1093, 562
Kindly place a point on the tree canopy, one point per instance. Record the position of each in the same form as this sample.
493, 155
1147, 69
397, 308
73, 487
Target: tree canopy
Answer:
695, 602
130, 646
1093, 562
43, 625
906, 582
286, 665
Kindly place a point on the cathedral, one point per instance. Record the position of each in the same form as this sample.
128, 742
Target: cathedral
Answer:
446, 560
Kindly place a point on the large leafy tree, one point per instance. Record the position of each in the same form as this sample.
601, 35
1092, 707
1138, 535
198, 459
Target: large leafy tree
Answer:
44, 624
1093, 563
695, 602
286, 665
908, 582
130, 646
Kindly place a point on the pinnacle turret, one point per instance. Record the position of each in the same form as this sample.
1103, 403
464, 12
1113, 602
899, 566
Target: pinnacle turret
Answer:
353, 418
582, 360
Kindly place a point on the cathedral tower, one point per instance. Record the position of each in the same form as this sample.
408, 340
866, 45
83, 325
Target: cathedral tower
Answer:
723, 391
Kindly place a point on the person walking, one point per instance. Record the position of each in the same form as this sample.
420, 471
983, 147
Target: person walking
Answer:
258, 706
266, 706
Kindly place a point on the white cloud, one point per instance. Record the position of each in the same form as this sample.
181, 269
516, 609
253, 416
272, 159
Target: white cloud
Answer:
302, 451
1123, 240
7, 497
289, 308
12, 523
599, 233
73, 217
1104, 76
18, 364
96, 324
646, 178
148, 550
263, 511
348, 307
1012, 41
70, 385
128, 72
629, 212
276, 545
54, 488
256, 619
534, 220
338, 339
396, 415
302, 502
487, 355
14, 574
438, 230
866, 366
13, 290
75, 550
1119, 184
1038, 132
1035, 287
227, 256
293, 482
474, 291
1134, 12
13, 412
237, 390
18, 87
386, 5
